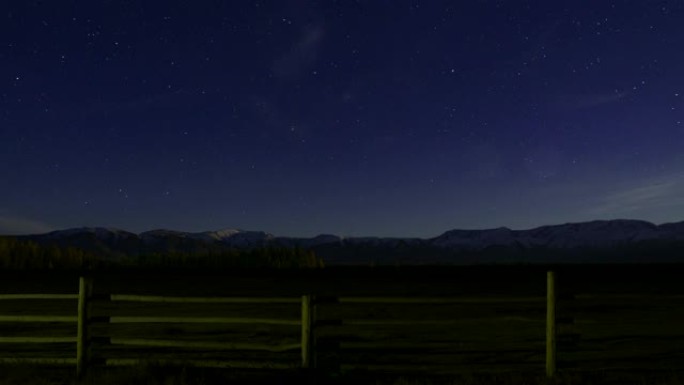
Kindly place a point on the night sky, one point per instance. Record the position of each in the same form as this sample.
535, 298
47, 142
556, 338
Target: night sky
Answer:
385, 118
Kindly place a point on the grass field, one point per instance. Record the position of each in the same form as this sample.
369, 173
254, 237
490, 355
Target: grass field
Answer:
633, 336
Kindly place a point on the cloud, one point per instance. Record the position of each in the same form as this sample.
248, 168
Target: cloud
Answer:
18, 226
654, 194
302, 55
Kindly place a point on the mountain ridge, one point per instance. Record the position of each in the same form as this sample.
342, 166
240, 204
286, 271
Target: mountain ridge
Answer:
453, 244
614, 228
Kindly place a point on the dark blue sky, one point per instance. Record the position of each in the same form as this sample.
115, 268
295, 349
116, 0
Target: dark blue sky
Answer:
388, 118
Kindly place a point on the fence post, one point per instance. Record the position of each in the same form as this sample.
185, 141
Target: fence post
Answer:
550, 324
308, 338
83, 347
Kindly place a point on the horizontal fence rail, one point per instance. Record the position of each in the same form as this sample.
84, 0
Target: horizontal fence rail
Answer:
232, 300
38, 318
419, 346
37, 296
389, 322
201, 363
627, 296
552, 334
37, 340
441, 301
201, 320
203, 345
39, 361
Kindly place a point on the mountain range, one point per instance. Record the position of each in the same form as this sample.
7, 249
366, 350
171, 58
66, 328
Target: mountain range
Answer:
602, 240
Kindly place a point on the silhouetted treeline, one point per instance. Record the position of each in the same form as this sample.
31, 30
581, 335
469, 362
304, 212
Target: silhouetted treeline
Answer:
26, 254
650, 251
271, 257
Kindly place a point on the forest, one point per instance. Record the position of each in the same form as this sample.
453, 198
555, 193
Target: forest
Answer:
26, 254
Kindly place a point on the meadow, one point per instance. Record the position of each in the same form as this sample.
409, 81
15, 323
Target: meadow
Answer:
619, 319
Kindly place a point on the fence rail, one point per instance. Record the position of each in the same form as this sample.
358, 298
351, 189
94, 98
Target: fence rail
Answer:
203, 345
37, 296
37, 340
309, 325
38, 318
232, 300
200, 363
441, 301
203, 320
40, 361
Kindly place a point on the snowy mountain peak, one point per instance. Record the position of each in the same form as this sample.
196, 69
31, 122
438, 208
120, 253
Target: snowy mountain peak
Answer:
217, 235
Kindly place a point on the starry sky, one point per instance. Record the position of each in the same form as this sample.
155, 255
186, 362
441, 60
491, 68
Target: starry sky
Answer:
385, 118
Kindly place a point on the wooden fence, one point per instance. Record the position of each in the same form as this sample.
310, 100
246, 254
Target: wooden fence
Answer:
307, 323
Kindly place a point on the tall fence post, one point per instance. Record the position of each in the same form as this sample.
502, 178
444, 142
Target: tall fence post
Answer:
550, 324
308, 338
83, 347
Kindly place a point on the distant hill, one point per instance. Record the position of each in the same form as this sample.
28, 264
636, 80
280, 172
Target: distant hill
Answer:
596, 241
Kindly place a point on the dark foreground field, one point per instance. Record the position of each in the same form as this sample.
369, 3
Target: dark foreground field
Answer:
156, 375
624, 323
